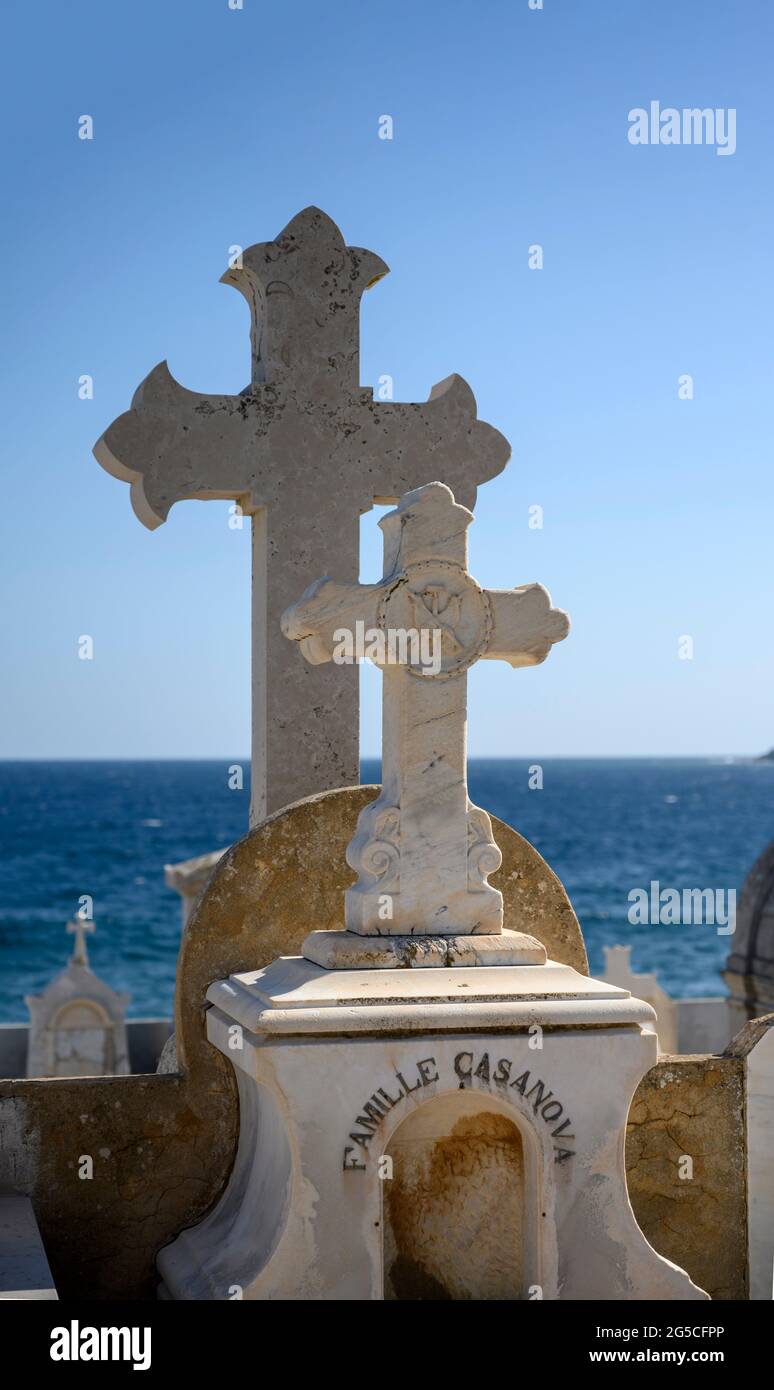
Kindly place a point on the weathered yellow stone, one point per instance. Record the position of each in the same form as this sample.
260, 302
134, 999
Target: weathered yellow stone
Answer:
692, 1107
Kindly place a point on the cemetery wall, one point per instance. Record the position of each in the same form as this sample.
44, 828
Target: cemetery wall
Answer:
163, 1146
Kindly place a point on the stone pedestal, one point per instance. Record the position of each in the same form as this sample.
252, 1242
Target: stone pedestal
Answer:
454, 1132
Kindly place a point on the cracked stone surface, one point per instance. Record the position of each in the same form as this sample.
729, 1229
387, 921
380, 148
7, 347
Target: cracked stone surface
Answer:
692, 1107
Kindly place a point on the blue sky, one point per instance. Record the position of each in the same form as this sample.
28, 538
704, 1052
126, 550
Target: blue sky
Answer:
214, 127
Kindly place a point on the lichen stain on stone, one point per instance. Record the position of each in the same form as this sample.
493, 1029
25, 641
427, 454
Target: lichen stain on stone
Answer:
454, 1212
693, 1107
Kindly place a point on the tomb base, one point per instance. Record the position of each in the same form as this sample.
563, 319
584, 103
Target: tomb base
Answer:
346, 950
447, 1133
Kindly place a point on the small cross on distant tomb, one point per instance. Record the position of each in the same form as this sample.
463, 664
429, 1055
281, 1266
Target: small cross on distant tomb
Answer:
79, 928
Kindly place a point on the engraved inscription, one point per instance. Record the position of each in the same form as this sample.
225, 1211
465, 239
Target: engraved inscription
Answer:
498, 1074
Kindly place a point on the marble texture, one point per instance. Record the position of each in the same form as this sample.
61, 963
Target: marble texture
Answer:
309, 1212
423, 852
345, 950
293, 995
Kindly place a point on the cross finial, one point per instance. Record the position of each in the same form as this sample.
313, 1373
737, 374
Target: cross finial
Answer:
422, 851
304, 291
79, 927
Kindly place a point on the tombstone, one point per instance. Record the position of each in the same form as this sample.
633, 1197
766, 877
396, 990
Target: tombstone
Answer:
618, 971
755, 1046
77, 1025
304, 450
749, 971
749, 974
429, 1107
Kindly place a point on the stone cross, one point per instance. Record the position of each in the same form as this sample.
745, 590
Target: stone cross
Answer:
305, 450
422, 852
79, 927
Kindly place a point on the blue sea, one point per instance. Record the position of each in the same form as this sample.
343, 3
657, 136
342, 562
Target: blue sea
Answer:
605, 826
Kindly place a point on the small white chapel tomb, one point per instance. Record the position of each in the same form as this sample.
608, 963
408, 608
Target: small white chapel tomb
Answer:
429, 1108
77, 1025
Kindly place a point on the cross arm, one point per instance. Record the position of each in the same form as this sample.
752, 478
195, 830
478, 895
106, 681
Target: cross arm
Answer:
440, 439
525, 626
174, 444
326, 608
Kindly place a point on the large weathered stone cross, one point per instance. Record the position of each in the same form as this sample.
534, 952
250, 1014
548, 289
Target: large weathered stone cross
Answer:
305, 449
421, 850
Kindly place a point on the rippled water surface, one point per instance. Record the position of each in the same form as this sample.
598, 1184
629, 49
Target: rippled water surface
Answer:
605, 826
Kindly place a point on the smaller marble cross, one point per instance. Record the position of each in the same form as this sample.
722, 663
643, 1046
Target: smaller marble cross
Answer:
79, 927
422, 851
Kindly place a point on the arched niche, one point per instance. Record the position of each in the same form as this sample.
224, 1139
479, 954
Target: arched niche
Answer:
80, 1040
460, 1203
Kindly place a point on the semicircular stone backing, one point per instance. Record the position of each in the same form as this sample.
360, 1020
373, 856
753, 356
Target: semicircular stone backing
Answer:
287, 877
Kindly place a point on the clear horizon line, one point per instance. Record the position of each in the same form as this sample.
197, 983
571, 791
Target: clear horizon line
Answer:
376, 757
